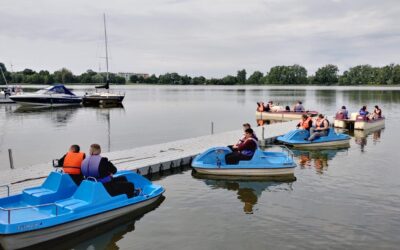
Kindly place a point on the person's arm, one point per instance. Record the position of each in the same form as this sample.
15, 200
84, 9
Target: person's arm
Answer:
61, 161
326, 126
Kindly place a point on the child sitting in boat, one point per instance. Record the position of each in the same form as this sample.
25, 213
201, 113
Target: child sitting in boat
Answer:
243, 151
71, 163
102, 169
321, 128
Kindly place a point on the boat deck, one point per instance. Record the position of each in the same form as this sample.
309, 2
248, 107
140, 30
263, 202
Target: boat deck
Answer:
144, 160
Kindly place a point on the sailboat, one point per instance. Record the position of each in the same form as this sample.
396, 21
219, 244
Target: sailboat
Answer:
8, 90
103, 97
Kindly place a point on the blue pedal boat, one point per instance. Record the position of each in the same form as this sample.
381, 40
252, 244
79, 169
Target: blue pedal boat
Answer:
58, 207
298, 139
263, 163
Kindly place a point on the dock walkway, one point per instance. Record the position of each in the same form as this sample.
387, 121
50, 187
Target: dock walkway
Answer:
146, 159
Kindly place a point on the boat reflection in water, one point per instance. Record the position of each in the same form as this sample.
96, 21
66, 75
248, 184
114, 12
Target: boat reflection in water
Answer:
261, 122
104, 236
361, 136
248, 189
317, 159
61, 115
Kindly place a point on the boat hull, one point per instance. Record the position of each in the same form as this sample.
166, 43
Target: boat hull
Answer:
46, 101
282, 115
330, 144
102, 99
31, 238
370, 124
246, 172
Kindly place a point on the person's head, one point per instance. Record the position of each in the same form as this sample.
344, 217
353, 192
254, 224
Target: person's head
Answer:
248, 132
304, 117
246, 126
343, 107
376, 106
321, 116
74, 148
299, 102
270, 102
364, 107
95, 149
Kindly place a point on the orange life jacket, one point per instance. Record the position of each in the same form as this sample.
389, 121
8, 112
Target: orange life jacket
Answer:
260, 107
305, 124
72, 163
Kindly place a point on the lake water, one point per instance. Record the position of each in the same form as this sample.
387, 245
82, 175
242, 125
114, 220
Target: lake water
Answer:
341, 199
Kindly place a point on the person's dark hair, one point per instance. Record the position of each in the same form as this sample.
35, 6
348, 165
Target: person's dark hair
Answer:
376, 106
300, 102
246, 125
364, 107
304, 116
75, 148
249, 130
343, 107
321, 116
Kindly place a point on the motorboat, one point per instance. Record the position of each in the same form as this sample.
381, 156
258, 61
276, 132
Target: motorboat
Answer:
58, 208
56, 95
283, 115
298, 139
263, 163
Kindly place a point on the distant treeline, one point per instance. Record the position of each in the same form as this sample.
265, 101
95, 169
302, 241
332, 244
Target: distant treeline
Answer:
278, 75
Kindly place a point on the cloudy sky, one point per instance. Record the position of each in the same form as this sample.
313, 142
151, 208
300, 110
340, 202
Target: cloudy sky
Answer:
198, 37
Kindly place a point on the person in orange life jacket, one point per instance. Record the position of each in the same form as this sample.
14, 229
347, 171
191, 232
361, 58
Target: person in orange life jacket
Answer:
243, 151
260, 106
305, 122
102, 169
241, 140
71, 163
321, 128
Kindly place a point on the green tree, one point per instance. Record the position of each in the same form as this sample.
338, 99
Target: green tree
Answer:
199, 80
241, 77
64, 76
287, 75
326, 75
255, 78
229, 80
6, 74
360, 75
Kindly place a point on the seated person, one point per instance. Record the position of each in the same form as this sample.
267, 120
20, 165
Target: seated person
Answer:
71, 163
321, 128
363, 111
305, 122
298, 107
287, 108
343, 113
243, 151
268, 107
377, 113
241, 140
260, 107
102, 169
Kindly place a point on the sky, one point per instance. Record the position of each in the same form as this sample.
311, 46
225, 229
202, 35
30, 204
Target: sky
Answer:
212, 38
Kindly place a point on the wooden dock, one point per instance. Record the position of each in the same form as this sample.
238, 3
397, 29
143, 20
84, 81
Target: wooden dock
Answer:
145, 160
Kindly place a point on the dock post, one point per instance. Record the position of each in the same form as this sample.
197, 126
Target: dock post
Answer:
212, 128
10, 156
262, 132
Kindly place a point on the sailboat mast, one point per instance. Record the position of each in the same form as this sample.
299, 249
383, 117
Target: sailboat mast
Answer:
4, 77
106, 42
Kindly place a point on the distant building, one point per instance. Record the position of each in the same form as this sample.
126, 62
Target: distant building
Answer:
128, 75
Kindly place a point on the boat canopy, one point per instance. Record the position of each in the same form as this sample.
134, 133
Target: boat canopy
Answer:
57, 89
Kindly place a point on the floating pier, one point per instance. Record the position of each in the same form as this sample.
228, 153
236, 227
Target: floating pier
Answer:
145, 160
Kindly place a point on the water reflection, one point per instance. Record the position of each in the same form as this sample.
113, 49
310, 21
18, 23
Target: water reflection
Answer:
105, 236
59, 115
361, 136
317, 159
248, 189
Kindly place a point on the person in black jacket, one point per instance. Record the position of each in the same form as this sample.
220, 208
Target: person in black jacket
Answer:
103, 170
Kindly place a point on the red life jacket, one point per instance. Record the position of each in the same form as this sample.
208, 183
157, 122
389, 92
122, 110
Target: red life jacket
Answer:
72, 162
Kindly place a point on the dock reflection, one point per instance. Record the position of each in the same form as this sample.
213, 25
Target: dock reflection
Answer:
361, 136
248, 189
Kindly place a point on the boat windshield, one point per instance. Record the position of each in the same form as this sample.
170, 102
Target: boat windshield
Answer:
58, 89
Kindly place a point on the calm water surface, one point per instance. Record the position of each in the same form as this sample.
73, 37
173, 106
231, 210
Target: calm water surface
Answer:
341, 199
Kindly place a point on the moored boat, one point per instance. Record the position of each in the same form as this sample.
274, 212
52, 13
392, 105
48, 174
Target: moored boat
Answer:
283, 115
263, 163
59, 207
57, 95
298, 139
364, 123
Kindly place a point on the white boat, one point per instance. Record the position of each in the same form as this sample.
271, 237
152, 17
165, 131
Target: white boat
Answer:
57, 95
366, 124
340, 122
103, 97
283, 115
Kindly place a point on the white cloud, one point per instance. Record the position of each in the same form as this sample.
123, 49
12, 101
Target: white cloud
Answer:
199, 37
